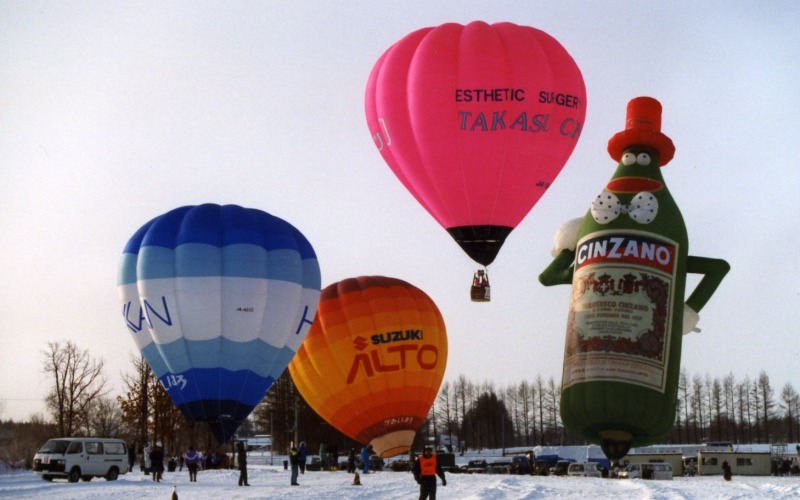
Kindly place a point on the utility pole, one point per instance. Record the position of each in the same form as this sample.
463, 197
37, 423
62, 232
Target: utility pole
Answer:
296, 441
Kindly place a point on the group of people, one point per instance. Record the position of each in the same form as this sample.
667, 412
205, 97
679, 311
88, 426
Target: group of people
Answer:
425, 468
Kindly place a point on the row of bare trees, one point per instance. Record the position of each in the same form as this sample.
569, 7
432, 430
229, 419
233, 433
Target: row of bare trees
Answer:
478, 415
527, 413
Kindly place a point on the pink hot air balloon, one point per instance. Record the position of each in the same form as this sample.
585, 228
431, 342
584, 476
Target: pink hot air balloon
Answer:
476, 121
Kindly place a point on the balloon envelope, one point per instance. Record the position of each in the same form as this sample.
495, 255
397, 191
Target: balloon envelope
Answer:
476, 121
373, 361
218, 299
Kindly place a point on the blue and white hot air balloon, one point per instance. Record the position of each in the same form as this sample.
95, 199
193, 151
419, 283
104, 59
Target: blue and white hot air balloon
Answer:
218, 299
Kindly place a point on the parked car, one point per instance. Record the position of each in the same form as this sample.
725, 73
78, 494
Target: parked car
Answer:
521, 465
375, 462
399, 465
647, 471
541, 468
560, 468
500, 467
447, 460
584, 469
81, 458
477, 466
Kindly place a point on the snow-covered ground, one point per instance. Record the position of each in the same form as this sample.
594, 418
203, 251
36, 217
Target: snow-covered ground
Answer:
273, 482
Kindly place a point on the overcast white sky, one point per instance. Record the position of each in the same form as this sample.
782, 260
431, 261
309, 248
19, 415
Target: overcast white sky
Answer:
114, 112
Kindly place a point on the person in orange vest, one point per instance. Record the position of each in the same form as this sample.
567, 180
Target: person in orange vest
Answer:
426, 468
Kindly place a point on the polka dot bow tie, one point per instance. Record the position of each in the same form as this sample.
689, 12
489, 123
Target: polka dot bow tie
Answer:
607, 207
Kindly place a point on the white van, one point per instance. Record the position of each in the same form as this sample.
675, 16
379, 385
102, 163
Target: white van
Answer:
656, 470
81, 458
584, 469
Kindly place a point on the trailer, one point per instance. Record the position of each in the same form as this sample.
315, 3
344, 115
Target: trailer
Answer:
743, 463
674, 459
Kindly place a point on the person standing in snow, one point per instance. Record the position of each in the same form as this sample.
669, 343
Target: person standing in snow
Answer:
726, 470
131, 456
241, 460
146, 457
192, 461
426, 468
351, 461
302, 455
294, 458
157, 461
366, 451
334, 458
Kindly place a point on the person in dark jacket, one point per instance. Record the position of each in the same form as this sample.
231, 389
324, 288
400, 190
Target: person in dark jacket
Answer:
426, 468
157, 461
726, 470
302, 455
351, 461
241, 460
294, 458
192, 460
131, 456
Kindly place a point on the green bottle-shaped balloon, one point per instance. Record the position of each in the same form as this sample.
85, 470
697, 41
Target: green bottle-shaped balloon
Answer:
628, 273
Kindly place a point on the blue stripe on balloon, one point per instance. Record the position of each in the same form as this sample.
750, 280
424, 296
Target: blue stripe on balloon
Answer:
241, 261
216, 384
256, 355
127, 269
153, 357
220, 226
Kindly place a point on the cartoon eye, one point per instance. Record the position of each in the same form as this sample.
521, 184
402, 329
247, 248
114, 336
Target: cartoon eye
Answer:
643, 159
628, 159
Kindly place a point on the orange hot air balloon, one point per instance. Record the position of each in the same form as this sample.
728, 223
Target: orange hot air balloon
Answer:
373, 360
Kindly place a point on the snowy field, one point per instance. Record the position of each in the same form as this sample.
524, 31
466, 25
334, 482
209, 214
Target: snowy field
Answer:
273, 482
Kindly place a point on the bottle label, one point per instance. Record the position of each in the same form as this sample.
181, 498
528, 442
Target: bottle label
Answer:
620, 315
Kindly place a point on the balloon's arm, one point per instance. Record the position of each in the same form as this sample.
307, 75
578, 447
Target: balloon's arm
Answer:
559, 272
713, 271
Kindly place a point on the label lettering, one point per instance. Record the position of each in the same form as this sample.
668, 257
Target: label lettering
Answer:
395, 358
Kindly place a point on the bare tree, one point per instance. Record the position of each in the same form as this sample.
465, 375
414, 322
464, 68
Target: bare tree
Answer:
552, 405
683, 391
729, 390
789, 399
698, 408
540, 393
743, 397
525, 397
105, 418
448, 414
716, 405
134, 400
767, 401
464, 392
78, 381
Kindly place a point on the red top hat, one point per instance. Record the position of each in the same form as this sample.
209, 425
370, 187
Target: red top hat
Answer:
642, 128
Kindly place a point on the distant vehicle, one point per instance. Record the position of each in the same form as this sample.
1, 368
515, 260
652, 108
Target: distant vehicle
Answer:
647, 471
584, 469
447, 461
398, 465
560, 468
81, 458
541, 468
500, 467
376, 462
477, 466
521, 465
